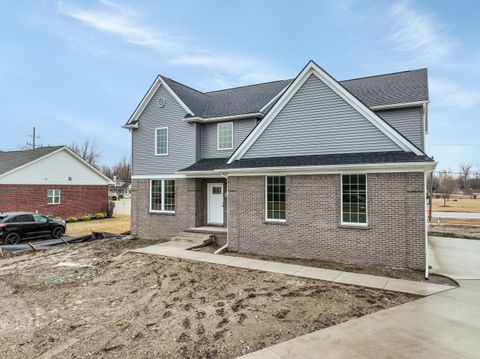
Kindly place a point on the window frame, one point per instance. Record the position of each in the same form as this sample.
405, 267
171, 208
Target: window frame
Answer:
266, 201
162, 202
354, 224
156, 141
218, 136
54, 196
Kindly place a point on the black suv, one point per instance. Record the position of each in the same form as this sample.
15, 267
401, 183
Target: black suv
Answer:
15, 226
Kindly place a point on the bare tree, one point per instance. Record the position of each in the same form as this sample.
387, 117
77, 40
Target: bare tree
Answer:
465, 169
88, 150
123, 169
446, 185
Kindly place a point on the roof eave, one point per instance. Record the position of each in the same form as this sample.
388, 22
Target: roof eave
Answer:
223, 118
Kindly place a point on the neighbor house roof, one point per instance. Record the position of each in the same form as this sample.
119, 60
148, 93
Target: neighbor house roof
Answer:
211, 164
380, 90
13, 159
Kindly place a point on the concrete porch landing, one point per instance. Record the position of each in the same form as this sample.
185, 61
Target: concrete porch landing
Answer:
179, 249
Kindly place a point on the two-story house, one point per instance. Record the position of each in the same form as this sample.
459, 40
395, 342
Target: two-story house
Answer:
309, 167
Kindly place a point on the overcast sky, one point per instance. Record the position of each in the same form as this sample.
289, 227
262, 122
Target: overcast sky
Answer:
78, 69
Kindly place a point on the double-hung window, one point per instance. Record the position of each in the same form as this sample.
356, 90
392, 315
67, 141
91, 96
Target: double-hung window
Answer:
161, 141
276, 198
162, 196
53, 196
354, 199
225, 136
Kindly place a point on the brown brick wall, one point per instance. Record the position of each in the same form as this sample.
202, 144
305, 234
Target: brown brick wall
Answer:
75, 200
158, 225
394, 237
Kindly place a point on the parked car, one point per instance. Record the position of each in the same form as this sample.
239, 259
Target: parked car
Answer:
17, 226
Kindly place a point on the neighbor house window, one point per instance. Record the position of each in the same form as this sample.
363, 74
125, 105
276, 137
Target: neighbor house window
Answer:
53, 196
162, 196
354, 199
225, 136
276, 198
161, 141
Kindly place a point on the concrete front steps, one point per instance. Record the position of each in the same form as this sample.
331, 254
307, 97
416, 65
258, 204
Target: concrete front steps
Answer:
219, 233
195, 238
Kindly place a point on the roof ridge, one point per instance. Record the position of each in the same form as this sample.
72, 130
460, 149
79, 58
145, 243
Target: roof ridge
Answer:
237, 87
33, 149
380, 75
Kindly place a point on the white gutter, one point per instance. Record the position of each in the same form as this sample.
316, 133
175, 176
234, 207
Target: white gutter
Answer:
224, 247
398, 105
131, 126
426, 223
223, 118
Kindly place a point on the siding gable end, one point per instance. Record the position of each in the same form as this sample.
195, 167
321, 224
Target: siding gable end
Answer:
316, 121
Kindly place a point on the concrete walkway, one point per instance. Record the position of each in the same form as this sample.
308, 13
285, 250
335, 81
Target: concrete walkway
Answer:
456, 215
445, 325
179, 249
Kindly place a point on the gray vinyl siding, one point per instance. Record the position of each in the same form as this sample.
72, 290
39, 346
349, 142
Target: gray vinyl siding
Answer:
408, 121
241, 129
181, 138
318, 121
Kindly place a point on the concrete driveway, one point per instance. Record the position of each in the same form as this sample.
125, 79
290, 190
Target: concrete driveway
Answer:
456, 215
444, 325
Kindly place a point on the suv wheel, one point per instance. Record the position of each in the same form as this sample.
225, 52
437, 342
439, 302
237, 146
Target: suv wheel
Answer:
57, 232
12, 238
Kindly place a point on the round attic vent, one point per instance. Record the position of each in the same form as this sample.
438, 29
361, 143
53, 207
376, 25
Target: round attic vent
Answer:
161, 102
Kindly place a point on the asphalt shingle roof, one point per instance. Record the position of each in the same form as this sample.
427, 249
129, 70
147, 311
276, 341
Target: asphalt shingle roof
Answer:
387, 89
210, 164
14, 159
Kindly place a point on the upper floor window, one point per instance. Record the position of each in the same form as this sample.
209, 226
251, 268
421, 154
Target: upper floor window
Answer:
225, 136
161, 141
354, 199
53, 196
276, 198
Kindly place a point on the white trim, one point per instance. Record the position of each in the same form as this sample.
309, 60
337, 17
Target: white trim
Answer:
313, 69
109, 181
354, 224
156, 136
210, 185
398, 105
274, 99
223, 118
149, 95
156, 177
266, 201
162, 204
218, 137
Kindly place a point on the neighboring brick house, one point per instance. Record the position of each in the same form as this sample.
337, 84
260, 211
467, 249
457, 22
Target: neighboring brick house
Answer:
308, 167
51, 180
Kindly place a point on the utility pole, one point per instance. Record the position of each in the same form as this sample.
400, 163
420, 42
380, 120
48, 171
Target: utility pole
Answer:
34, 138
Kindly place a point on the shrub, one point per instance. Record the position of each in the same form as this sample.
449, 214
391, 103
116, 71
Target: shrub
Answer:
72, 219
85, 218
99, 215
110, 208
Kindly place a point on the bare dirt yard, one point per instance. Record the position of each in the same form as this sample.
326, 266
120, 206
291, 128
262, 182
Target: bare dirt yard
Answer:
455, 231
98, 300
456, 204
117, 224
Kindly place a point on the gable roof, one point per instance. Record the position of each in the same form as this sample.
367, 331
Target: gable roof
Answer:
379, 90
11, 161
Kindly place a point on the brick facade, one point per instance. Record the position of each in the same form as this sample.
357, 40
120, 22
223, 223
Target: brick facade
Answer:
394, 237
75, 200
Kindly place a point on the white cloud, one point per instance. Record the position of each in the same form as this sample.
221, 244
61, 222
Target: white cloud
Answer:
418, 34
449, 94
123, 22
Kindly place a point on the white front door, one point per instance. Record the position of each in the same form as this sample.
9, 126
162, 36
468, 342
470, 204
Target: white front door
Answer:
215, 203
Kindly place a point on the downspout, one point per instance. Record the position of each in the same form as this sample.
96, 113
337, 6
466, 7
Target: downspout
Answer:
224, 247
426, 222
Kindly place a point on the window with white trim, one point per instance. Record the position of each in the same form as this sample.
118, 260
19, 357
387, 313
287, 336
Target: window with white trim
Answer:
162, 196
276, 198
161, 141
354, 199
53, 196
225, 135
